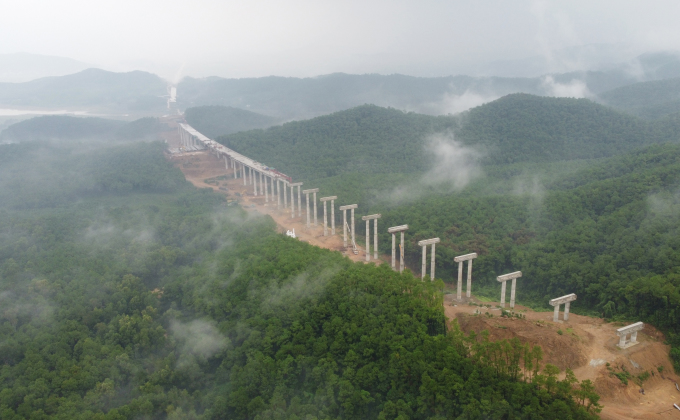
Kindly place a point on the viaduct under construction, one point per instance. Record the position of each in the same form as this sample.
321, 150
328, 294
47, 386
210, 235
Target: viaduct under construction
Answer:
274, 186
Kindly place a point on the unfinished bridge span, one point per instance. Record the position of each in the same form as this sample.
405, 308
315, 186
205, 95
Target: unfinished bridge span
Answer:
263, 178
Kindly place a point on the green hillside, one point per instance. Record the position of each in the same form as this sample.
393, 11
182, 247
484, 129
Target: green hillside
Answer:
214, 121
515, 128
132, 92
151, 299
649, 100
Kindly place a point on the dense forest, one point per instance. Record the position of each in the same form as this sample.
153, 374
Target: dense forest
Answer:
581, 198
129, 294
516, 128
217, 120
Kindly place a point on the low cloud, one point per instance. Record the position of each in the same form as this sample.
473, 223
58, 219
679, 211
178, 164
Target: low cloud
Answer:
454, 164
198, 338
574, 89
302, 286
453, 103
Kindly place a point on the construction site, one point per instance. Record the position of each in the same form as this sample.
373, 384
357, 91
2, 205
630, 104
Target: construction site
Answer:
635, 382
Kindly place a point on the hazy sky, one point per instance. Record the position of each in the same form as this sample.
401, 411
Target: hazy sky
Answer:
235, 38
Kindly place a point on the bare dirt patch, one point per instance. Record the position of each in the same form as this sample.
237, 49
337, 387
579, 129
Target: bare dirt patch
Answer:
586, 345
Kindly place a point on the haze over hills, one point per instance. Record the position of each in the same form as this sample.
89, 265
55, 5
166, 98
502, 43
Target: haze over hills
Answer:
92, 90
650, 100
295, 98
218, 120
24, 67
63, 127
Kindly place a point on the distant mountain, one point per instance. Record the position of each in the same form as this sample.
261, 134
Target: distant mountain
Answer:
92, 89
290, 98
516, 128
23, 67
62, 127
214, 121
651, 100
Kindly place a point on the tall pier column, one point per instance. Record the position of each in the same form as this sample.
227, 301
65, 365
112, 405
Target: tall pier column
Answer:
432, 262
325, 220
354, 241
556, 313
299, 200
375, 239
278, 193
332, 216
315, 212
401, 253
394, 267
512, 293
266, 189
307, 201
566, 311
344, 229
503, 287
460, 280
285, 195
368, 241
255, 183
423, 268
469, 279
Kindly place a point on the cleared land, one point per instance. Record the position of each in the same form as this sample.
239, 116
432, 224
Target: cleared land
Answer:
586, 344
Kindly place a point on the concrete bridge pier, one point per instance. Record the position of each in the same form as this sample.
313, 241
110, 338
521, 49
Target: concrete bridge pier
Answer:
306, 193
344, 209
393, 230
292, 199
424, 244
368, 219
631, 329
325, 216
460, 259
566, 300
504, 279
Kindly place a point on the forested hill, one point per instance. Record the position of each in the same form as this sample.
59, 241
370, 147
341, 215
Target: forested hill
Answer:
214, 121
526, 128
63, 127
128, 294
515, 128
366, 139
646, 99
136, 91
